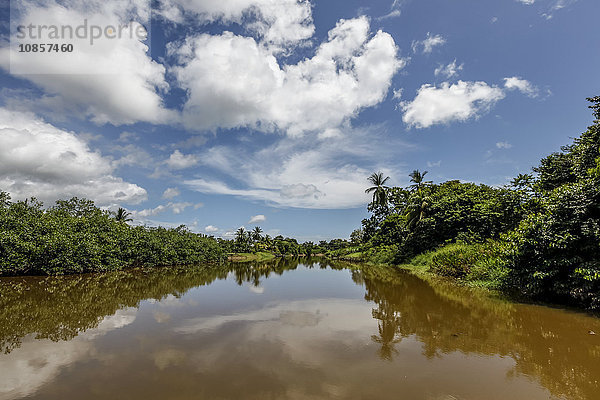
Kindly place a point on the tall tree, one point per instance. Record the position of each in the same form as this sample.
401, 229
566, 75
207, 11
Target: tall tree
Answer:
256, 234
240, 235
417, 201
4, 199
416, 209
379, 190
122, 215
418, 179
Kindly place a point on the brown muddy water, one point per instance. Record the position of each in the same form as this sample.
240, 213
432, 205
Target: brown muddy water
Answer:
289, 329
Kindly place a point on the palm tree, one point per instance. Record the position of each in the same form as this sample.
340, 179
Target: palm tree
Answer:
122, 215
268, 241
256, 233
418, 179
417, 208
379, 189
240, 235
388, 327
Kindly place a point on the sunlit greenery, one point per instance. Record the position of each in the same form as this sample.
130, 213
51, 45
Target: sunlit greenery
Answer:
540, 235
75, 236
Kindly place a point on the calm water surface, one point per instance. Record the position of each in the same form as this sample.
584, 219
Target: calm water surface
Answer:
285, 330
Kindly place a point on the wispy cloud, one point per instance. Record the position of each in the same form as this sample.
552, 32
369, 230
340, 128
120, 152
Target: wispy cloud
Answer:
170, 193
257, 218
450, 70
329, 173
503, 145
427, 45
175, 208
177, 160
548, 8
395, 11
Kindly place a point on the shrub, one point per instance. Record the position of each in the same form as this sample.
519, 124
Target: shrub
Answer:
382, 254
484, 262
455, 260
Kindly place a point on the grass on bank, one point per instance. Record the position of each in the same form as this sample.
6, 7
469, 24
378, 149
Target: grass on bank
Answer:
472, 264
258, 256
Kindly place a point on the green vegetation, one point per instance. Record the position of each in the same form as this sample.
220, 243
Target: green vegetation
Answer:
75, 236
248, 244
539, 236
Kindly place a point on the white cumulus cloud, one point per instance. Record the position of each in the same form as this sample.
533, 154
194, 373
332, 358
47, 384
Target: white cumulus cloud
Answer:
38, 159
233, 81
450, 102
177, 160
113, 80
522, 85
211, 229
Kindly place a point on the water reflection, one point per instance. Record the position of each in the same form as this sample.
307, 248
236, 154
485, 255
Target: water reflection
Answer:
38, 361
549, 345
285, 330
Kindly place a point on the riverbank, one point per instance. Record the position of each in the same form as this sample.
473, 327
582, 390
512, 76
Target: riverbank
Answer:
244, 257
468, 265
471, 265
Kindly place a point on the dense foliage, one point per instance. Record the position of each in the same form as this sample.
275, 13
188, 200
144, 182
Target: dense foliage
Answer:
422, 220
540, 235
555, 250
75, 236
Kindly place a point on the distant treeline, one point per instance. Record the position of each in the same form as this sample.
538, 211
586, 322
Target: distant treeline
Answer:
540, 235
252, 241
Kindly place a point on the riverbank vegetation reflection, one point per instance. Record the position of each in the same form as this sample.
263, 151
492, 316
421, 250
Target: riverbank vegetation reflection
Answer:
437, 319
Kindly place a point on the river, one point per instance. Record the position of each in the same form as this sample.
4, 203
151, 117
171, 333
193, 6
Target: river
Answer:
287, 329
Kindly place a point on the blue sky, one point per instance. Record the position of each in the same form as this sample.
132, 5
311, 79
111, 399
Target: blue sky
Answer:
273, 112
